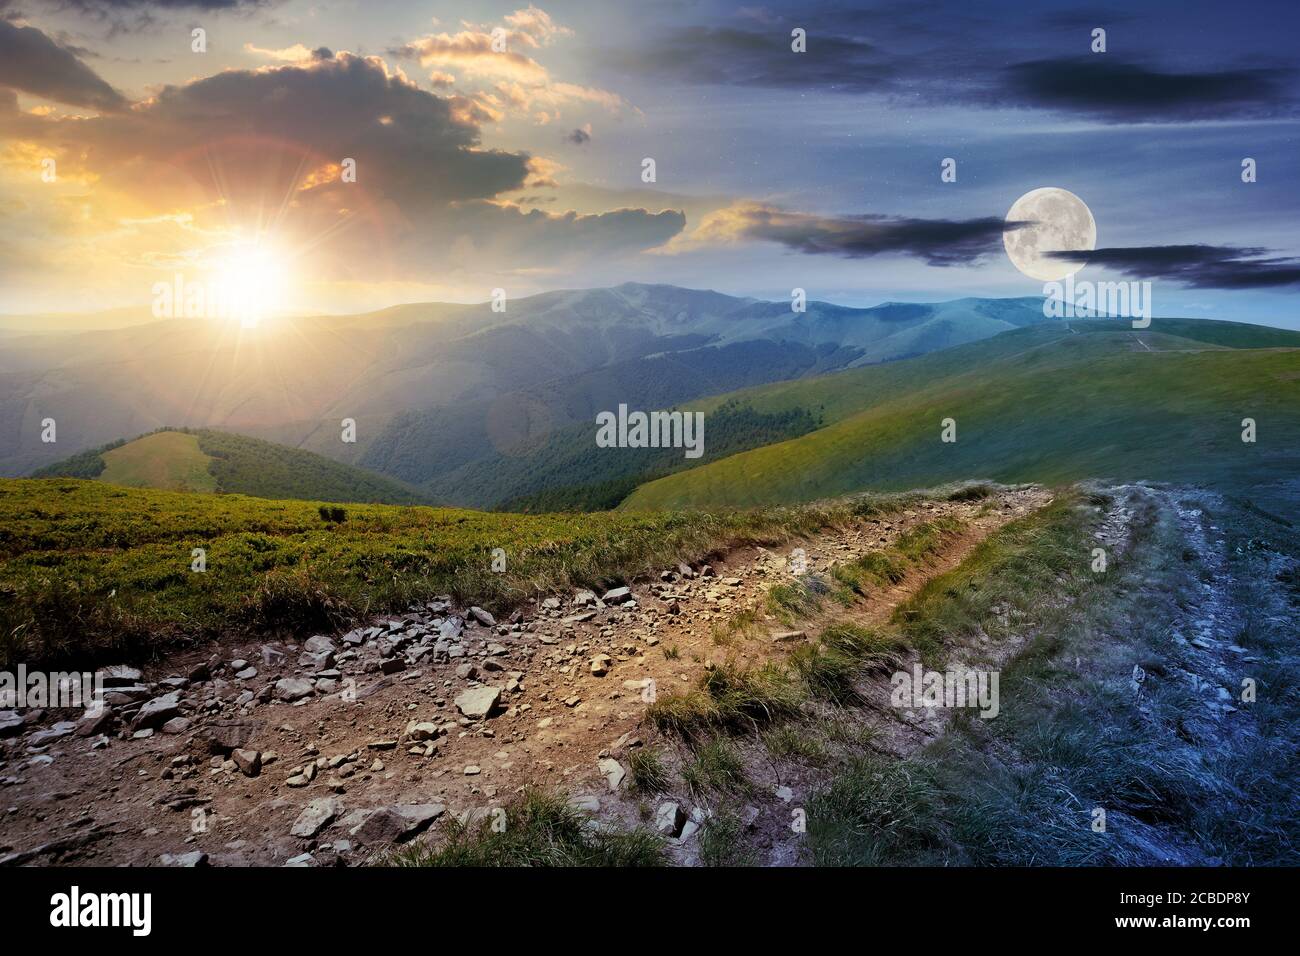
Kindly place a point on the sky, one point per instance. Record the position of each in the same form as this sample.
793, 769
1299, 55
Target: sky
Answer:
503, 146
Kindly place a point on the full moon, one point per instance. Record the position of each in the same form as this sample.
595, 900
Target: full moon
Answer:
1059, 221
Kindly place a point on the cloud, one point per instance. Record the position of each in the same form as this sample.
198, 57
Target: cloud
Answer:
580, 136
244, 151
33, 63
938, 242
290, 54
1114, 90
505, 81
1197, 266
965, 57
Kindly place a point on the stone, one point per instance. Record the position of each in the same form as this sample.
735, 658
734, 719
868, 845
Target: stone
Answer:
477, 703
93, 723
193, 858
223, 736
584, 598
316, 816
613, 772
392, 665
483, 617
786, 637
473, 770
600, 664
467, 672
51, 734
293, 688
176, 726
396, 824
158, 711
670, 818
319, 645
302, 859
248, 673
617, 596
11, 723
249, 762
120, 676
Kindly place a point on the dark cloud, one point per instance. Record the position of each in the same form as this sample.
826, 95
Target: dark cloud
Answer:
938, 242
250, 144
1112, 89
1197, 266
579, 137
967, 55
732, 56
33, 63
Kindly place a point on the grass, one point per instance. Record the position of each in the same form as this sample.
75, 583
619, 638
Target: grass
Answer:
541, 829
168, 460
1025, 411
204, 460
1072, 735
646, 771
91, 571
722, 839
717, 767
729, 697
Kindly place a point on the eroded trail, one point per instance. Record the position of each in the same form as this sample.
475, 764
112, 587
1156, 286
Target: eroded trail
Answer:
325, 752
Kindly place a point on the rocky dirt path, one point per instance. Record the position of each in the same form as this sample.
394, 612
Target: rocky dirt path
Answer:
323, 752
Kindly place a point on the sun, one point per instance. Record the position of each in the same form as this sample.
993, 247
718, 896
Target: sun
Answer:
252, 281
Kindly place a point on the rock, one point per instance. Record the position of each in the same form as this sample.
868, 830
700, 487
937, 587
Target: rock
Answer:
600, 664
223, 736
586, 801
158, 711
467, 672
193, 858
302, 859
249, 762
293, 688
551, 604
200, 673
176, 726
584, 598
483, 617
749, 817
613, 772
51, 734
392, 665
11, 723
120, 676
421, 730
478, 702
617, 596
397, 823
784, 794
670, 818
786, 637
248, 673
319, 645
316, 816
93, 723
473, 770
382, 744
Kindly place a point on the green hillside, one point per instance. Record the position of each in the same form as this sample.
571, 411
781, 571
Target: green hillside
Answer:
1051, 403
203, 460
90, 571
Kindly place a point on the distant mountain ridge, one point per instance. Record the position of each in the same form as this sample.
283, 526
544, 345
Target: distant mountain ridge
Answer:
438, 387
